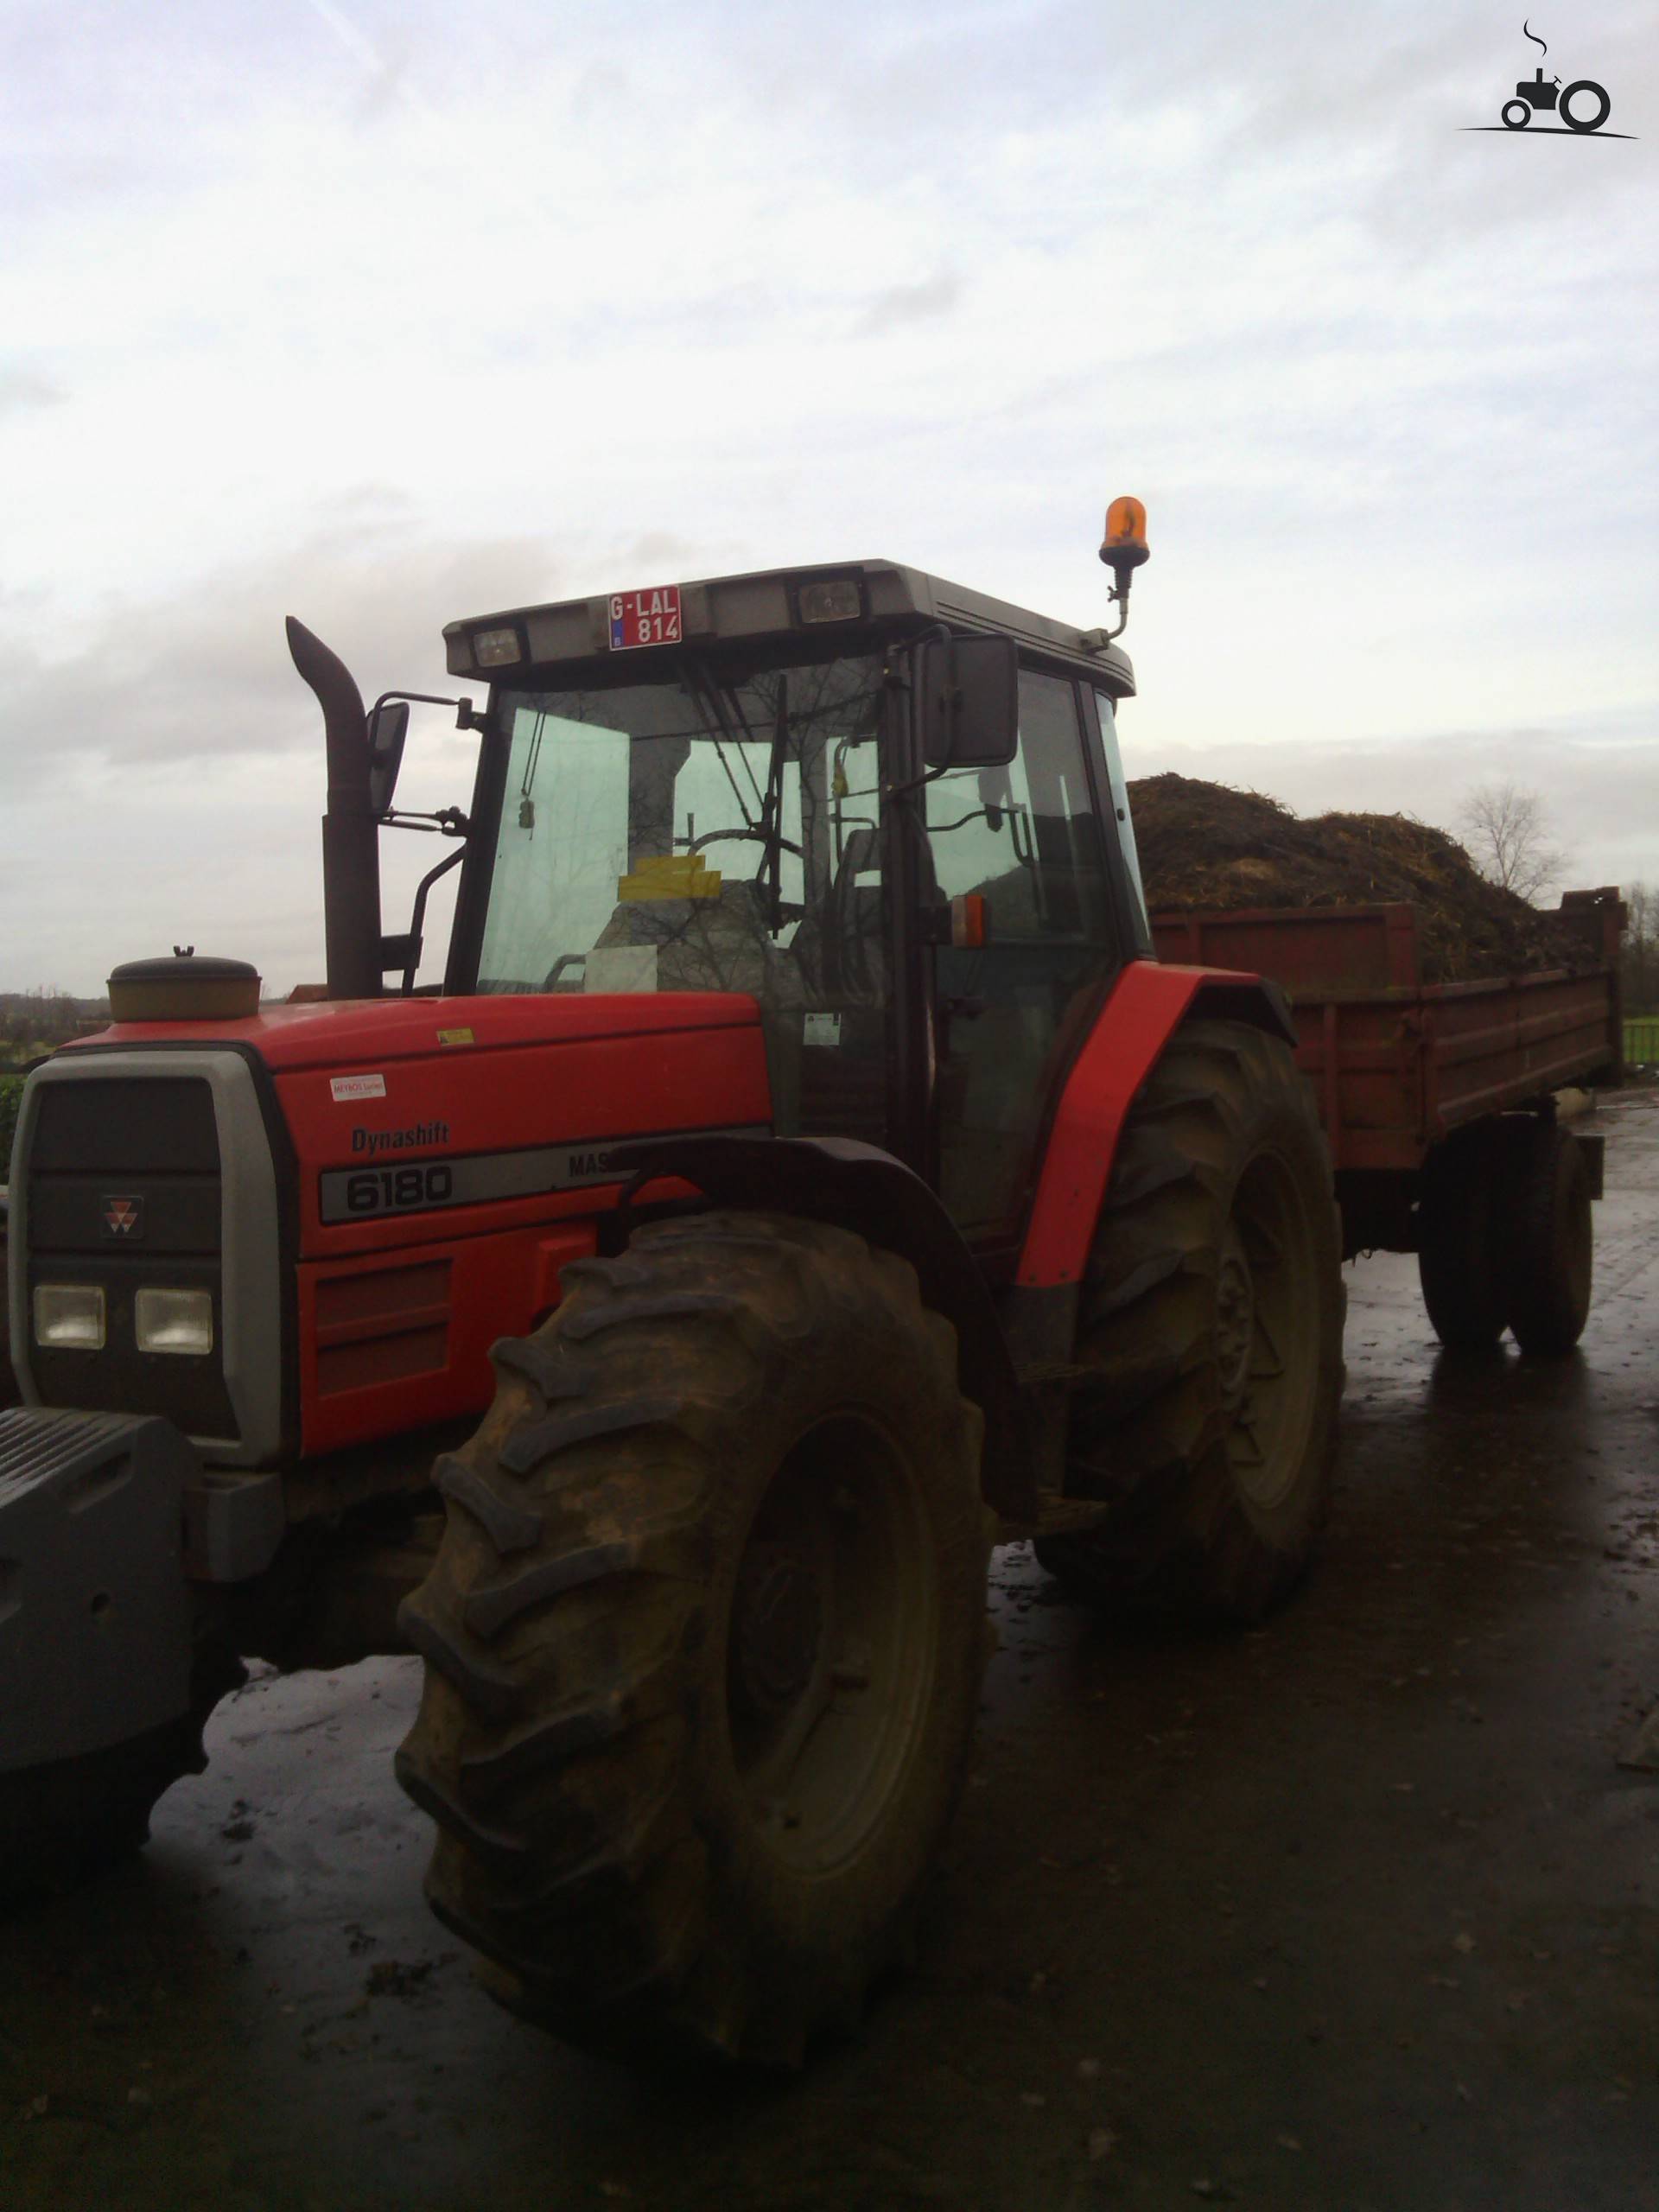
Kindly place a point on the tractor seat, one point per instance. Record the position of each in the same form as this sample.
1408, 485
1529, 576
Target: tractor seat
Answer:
708, 945
839, 947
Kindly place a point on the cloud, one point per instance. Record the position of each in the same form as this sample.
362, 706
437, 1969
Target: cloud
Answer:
24, 389
904, 303
205, 675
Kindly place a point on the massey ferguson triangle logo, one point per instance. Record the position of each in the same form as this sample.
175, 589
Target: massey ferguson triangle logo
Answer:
123, 1217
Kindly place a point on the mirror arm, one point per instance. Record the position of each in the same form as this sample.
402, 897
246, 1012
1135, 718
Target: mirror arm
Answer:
940, 633
417, 919
465, 717
448, 822
915, 782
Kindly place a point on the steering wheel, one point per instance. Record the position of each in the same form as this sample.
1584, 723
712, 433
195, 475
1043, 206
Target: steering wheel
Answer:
751, 836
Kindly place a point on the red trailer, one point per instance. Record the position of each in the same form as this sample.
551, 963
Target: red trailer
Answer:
1439, 1100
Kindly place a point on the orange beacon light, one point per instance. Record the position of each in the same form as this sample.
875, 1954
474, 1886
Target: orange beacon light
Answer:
1123, 548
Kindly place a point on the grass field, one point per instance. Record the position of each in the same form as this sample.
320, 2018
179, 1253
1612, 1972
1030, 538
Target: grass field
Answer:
11, 1090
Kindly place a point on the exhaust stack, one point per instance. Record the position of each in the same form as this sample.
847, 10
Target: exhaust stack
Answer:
351, 835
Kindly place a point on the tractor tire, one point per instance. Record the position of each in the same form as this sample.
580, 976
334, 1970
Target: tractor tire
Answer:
1463, 1234
703, 1641
1552, 1241
1603, 105
67, 1823
1211, 1331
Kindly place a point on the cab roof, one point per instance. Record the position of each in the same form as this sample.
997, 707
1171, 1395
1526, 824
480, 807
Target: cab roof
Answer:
720, 610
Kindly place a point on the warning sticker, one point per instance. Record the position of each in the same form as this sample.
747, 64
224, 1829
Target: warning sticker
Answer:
346, 1087
645, 618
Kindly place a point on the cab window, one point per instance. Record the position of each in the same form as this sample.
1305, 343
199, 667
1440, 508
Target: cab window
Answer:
1028, 839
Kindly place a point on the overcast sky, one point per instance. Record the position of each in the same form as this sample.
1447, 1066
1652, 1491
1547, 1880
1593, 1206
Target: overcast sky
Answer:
381, 315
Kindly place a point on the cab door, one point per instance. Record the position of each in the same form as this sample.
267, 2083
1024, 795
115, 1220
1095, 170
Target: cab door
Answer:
1008, 1015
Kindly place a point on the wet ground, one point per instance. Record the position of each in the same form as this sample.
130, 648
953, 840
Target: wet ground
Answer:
1359, 1911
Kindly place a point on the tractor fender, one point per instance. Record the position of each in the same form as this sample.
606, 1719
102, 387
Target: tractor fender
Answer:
1147, 1004
859, 1186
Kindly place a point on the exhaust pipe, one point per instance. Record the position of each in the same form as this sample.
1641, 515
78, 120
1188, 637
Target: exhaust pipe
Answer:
351, 834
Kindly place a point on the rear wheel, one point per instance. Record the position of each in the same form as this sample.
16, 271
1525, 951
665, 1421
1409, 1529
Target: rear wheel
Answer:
1598, 108
1552, 1242
1211, 1332
704, 1640
1463, 1223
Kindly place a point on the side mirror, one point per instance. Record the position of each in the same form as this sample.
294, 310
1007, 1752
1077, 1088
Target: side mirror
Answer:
970, 701
388, 727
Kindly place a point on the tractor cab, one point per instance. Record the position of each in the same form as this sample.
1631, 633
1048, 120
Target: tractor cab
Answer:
888, 810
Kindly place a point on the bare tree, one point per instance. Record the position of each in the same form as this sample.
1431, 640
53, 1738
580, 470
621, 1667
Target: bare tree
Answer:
1507, 832
1639, 961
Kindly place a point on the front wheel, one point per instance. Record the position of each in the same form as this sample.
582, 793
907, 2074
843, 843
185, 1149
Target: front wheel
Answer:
1515, 115
704, 1640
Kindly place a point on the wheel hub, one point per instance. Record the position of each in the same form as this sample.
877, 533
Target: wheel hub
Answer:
1235, 1316
777, 1629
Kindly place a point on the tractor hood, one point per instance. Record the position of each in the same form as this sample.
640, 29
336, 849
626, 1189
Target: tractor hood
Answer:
342, 1034
429, 1166
412, 1120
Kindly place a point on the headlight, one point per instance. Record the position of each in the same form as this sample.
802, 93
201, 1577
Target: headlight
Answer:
69, 1317
497, 648
174, 1320
834, 598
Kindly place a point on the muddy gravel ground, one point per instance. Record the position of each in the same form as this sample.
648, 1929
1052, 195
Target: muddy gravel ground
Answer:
1357, 1912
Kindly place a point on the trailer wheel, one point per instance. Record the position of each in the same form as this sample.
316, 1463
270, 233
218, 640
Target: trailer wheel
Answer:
1462, 1236
704, 1640
1552, 1240
1211, 1329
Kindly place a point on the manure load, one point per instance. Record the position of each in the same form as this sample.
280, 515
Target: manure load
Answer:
1207, 847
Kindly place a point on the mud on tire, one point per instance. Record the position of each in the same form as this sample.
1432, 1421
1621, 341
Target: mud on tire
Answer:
1211, 1331
704, 1639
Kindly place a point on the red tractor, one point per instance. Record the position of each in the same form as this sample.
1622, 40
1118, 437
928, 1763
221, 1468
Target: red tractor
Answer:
807, 1173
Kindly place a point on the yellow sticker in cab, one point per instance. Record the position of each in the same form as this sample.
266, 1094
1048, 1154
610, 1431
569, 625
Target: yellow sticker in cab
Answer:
456, 1036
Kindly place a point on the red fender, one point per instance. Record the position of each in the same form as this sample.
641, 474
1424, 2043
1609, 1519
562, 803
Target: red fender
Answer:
1148, 1004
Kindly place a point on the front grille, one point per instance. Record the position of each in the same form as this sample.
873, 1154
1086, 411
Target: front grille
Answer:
125, 1193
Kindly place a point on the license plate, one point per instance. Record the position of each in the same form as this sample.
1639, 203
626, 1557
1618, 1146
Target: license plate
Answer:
645, 618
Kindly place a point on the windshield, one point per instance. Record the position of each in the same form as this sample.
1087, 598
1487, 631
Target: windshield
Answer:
708, 832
